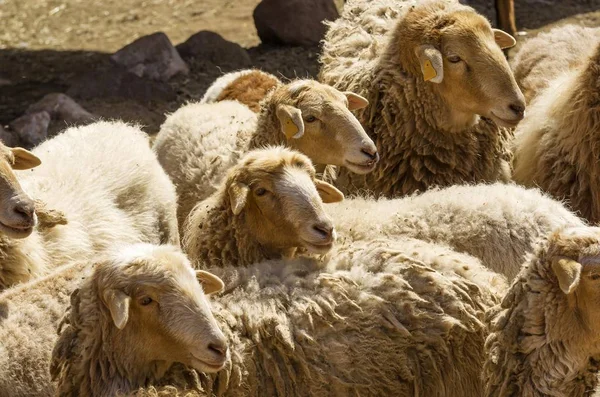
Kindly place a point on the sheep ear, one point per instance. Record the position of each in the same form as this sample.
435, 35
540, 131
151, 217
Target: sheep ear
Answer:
328, 193
355, 101
49, 218
118, 304
432, 65
568, 273
211, 284
24, 159
238, 194
503, 39
291, 121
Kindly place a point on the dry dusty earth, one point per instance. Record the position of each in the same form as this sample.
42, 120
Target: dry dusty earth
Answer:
46, 44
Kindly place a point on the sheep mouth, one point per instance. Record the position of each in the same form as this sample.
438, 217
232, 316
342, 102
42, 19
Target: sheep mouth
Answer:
508, 123
206, 366
16, 231
318, 247
361, 168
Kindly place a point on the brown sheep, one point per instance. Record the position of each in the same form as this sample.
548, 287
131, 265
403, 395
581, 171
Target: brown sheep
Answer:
557, 146
132, 319
249, 88
544, 338
441, 94
268, 206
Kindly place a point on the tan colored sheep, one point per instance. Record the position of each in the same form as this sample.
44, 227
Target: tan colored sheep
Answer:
269, 205
440, 92
103, 179
116, 339
544, 338
248, 87
380, 318
557, 146
548, 55
199, 142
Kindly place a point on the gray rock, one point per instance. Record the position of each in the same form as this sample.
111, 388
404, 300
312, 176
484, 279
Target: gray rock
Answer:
212, 47
9, 138
31, 129
117, 82
151, 56
293, 22
61, 107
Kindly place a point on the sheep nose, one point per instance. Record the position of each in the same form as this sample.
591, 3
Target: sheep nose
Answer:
25, 210
518, 109
371, 153
219, 348
325, 230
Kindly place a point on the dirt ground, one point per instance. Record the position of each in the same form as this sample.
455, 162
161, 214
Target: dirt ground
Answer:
46, 44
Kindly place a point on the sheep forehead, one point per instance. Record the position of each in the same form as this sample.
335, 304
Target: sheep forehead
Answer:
272, 161
295, 182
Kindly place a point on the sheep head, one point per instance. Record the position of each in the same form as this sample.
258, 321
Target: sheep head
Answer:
317, 120
281, 201
454, 49
17, 212
156, 306
574, 257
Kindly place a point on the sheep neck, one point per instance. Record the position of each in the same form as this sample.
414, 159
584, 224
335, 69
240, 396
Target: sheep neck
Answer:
22, 259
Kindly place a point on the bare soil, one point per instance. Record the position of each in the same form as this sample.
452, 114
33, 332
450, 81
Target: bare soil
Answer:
46, 44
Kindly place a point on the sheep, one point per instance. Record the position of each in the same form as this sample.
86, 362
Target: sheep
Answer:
381, 318
556, 146
199, 142
268, 205
97, 185
103, 344
544, 337
535, 66
498, 223
439, 88
248, 87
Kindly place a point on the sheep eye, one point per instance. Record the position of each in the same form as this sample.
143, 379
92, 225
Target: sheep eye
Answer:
310, 119
595, 276
299, 164
260, 191
146, 301
454, 59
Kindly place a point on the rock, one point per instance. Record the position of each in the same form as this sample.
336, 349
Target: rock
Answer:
117, 82
61, 107
212, 47
31, 129
151, 56
9, 138
293, 22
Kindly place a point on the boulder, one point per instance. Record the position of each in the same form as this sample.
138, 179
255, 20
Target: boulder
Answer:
61, 107
9, 138
212, 47
31, 129
152, 56
293, 22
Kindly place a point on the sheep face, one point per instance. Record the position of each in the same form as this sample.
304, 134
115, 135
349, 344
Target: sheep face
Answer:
159, 311
458, 52
281, 201
574, 256
317, 120
17, 212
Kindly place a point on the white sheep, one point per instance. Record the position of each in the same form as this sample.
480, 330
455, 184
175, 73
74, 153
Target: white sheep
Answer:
199, 142
101, 184
381, 318
549, 54
440, 92
103, 348
268, 206
557, 145
248, 87
544, 337
498, 223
